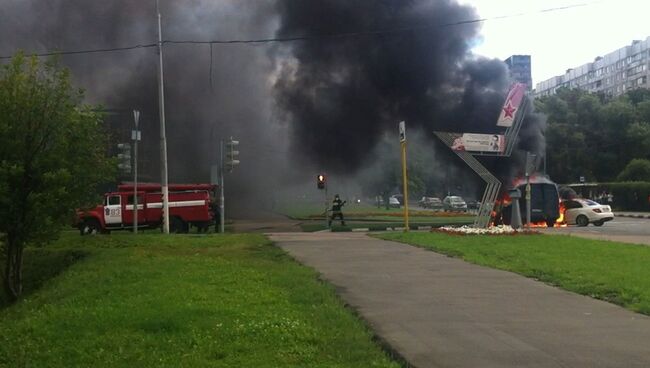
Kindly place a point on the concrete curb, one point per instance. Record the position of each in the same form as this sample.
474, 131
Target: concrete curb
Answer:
632, 215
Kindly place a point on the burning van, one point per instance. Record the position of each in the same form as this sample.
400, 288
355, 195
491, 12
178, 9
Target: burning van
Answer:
544, 203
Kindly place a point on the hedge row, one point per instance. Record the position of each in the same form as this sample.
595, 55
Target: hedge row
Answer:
628, 196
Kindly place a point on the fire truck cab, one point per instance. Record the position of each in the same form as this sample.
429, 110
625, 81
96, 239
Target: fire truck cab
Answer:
189, 205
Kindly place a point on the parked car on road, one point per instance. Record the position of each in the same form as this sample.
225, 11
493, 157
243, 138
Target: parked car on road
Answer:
399, 197
473, 204
393, 202
454, 203
431, 202
582, 212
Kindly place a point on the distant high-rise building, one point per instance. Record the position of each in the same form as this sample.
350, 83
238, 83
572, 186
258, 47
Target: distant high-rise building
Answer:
612, 74
519, 66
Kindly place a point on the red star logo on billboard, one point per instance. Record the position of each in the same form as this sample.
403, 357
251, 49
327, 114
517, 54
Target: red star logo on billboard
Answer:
509, 111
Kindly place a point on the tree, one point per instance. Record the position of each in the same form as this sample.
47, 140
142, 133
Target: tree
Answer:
637, 138
636, 170
590, 135
52, 157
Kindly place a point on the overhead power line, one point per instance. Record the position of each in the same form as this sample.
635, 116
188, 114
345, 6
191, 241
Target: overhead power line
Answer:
311, 37
90, 51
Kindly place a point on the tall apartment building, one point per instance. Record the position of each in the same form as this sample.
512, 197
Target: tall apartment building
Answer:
519, 66
612, 74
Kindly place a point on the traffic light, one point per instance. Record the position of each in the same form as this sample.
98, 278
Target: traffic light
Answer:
124, 157
232, 155
320, 181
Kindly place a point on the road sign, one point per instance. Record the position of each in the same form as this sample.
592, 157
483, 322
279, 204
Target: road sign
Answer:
402, 131
136, 117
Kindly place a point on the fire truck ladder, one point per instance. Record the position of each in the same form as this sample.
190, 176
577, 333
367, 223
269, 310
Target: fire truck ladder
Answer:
482, 219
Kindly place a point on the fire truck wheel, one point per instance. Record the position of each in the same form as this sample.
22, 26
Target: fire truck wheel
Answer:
89, 227
582, 221
178, 226
202, 227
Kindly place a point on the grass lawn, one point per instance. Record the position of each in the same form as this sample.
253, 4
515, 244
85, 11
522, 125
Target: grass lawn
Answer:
172, 301
615, 272
381, 226
364, 212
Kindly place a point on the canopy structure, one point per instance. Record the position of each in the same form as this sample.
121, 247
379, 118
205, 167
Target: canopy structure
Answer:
512, 116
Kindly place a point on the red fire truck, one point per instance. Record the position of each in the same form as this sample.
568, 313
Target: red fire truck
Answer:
189, 205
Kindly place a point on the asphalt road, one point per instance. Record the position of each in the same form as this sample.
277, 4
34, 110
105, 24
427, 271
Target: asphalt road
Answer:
629, 230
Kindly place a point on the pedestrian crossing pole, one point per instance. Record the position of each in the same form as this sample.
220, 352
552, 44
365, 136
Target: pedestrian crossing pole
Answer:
402, 140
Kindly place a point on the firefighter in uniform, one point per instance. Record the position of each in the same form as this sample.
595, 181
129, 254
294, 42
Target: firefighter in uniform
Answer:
337, 204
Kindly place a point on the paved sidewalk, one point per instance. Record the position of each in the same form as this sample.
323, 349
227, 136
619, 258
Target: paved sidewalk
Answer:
438, 311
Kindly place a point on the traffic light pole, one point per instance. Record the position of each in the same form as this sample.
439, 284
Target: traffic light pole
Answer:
231, 162
326, 207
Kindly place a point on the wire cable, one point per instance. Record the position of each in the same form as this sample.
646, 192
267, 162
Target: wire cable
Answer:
309, 37
90, 51
376, 32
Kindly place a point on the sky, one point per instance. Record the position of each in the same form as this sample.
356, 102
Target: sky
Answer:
562, 39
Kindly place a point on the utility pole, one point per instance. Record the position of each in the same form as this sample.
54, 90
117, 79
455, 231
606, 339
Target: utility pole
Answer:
135, 135
163, 139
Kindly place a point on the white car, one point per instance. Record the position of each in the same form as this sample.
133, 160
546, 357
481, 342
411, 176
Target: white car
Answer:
454, 203
582, 212
393, 202
431, 202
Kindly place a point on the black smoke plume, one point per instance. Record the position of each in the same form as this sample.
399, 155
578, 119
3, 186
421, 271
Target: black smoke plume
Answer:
396, 60
401, 60
210, 94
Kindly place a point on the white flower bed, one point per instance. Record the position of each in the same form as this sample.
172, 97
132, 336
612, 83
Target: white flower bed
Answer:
468, 230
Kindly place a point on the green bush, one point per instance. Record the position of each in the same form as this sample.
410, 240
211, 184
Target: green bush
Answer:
636, 170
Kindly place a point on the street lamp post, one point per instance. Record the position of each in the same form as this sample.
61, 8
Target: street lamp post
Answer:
163, 139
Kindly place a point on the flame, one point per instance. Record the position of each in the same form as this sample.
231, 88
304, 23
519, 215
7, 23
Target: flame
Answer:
505, 201
560, 220
538, 224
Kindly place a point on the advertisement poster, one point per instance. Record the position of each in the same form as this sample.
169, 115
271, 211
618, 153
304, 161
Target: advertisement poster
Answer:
479, 143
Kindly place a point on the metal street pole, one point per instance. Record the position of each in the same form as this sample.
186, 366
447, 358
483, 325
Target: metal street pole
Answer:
327, 207
163, 139
530, 162
402, 139
222, 220
136, 138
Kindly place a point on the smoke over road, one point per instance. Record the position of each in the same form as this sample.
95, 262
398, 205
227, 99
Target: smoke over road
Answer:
328, 100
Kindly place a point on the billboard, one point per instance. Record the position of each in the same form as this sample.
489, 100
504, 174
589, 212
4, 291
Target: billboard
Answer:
510, 107
479, 143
